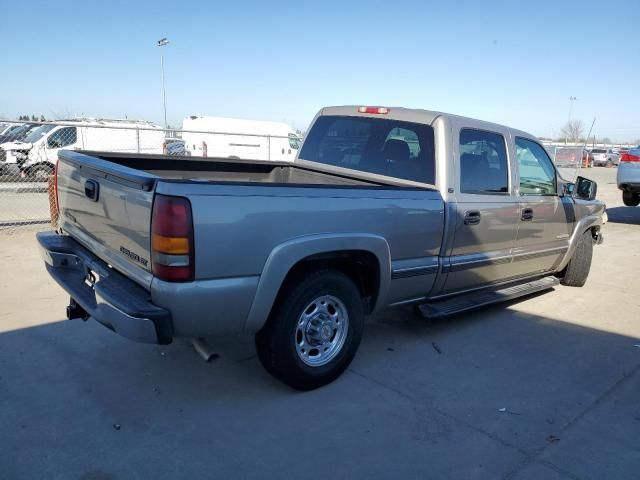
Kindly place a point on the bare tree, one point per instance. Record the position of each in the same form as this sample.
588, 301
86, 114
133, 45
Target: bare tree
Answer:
573, 130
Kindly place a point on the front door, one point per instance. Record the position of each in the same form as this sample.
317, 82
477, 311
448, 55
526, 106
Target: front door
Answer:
66, 137
486, 212
546, 219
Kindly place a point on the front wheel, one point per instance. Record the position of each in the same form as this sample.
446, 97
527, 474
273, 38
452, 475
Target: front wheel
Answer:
630, 199
41, 173
577, 270
313, 331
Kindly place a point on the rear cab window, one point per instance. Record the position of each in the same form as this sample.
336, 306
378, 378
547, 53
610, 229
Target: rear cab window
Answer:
484, 167
381, 146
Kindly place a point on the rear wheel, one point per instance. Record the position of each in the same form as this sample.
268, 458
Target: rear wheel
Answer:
313, 331
630, 199
577, 271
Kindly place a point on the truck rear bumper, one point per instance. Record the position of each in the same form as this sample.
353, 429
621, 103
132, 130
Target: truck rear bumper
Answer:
107, 296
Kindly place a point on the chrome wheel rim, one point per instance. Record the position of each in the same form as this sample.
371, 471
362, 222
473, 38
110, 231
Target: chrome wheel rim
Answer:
321, 330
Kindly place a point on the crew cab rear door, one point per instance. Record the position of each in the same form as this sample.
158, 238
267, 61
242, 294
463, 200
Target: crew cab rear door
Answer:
485, 209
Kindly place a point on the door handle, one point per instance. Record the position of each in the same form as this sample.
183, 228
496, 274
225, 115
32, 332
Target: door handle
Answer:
527, 214
472, 217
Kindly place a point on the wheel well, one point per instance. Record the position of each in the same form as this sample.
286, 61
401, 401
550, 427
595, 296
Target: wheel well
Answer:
359, 265
38, 165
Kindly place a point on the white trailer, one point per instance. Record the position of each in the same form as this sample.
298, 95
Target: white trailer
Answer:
239, 138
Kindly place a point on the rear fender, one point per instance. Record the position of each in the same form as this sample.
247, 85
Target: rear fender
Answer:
286, 255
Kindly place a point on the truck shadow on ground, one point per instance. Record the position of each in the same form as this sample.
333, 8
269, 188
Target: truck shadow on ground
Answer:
77, 390
628, 215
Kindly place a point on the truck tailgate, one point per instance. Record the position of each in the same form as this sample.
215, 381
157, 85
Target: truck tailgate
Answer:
107, 208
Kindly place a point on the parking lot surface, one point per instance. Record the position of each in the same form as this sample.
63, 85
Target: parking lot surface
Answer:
545, 387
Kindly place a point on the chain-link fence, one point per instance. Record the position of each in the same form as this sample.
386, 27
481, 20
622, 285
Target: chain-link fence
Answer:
569, 160
29, 151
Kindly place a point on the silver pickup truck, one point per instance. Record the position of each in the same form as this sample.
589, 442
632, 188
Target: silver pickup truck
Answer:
382, 207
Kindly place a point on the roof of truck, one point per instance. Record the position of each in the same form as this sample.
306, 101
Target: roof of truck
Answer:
418, 115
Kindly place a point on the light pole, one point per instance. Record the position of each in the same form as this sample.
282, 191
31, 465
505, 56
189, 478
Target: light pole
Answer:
162, 43
571, 100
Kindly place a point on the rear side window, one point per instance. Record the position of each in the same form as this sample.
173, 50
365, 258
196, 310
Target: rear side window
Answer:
375, 145
483, 162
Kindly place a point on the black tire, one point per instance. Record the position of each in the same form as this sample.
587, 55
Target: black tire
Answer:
577, 271
630, 199
276, 342
40, 173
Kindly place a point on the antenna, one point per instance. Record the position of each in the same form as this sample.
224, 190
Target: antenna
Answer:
584, 147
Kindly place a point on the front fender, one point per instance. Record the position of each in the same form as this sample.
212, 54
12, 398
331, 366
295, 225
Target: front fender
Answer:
283, 258
582, 226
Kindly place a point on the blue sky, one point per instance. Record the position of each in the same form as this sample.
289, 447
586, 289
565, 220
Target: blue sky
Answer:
510, 62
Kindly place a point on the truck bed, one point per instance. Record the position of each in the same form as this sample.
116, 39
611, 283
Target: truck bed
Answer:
234, 170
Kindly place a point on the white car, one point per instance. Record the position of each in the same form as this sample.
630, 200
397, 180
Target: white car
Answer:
604, 157
628, 178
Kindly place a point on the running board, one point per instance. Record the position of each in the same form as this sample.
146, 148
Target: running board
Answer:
483, 298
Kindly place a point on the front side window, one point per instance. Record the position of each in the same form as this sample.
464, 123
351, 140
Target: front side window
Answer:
376, 145
63, 137
484, 167
537, 174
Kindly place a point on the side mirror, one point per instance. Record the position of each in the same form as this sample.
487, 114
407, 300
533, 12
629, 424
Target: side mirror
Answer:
585, 189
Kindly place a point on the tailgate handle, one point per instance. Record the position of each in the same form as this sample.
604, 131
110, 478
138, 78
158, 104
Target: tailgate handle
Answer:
92, 190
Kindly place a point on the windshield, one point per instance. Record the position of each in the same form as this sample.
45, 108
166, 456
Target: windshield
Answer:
19, 133
37, 133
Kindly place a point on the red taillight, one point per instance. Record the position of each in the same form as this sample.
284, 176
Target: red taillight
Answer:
172, 252
627, 157
375, 110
